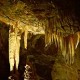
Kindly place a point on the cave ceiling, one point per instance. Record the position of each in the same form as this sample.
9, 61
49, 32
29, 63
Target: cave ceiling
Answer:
61, 15
57, 20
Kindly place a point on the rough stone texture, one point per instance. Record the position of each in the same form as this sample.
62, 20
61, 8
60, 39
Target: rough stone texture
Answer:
52, 66
47, 63
64, 72
59, 15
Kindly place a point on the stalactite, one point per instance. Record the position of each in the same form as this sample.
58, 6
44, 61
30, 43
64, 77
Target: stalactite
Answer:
46, 39
65, 43
18, 38
58, 40
61, 42
49, 37
78, 39
46, 33
52, 37
72, 43
72, 49
55, 40
12, 46
64, 47
70, 52
25, 37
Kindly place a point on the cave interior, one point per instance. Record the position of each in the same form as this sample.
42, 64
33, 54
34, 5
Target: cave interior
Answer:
39, 40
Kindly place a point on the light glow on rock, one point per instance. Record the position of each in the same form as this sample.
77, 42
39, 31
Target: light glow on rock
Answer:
15, 33
67, 46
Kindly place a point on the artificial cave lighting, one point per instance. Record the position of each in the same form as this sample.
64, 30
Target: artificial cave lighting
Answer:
15, 32
43, 37
67, 44
14, 47
67, 47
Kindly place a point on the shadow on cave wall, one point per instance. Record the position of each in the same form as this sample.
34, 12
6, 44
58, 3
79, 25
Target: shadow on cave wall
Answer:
4, 62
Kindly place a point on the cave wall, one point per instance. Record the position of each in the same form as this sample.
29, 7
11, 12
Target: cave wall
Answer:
51, 65
47, 62
4, 62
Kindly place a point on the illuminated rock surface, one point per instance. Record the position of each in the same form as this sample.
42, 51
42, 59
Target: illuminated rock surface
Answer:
46, 36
